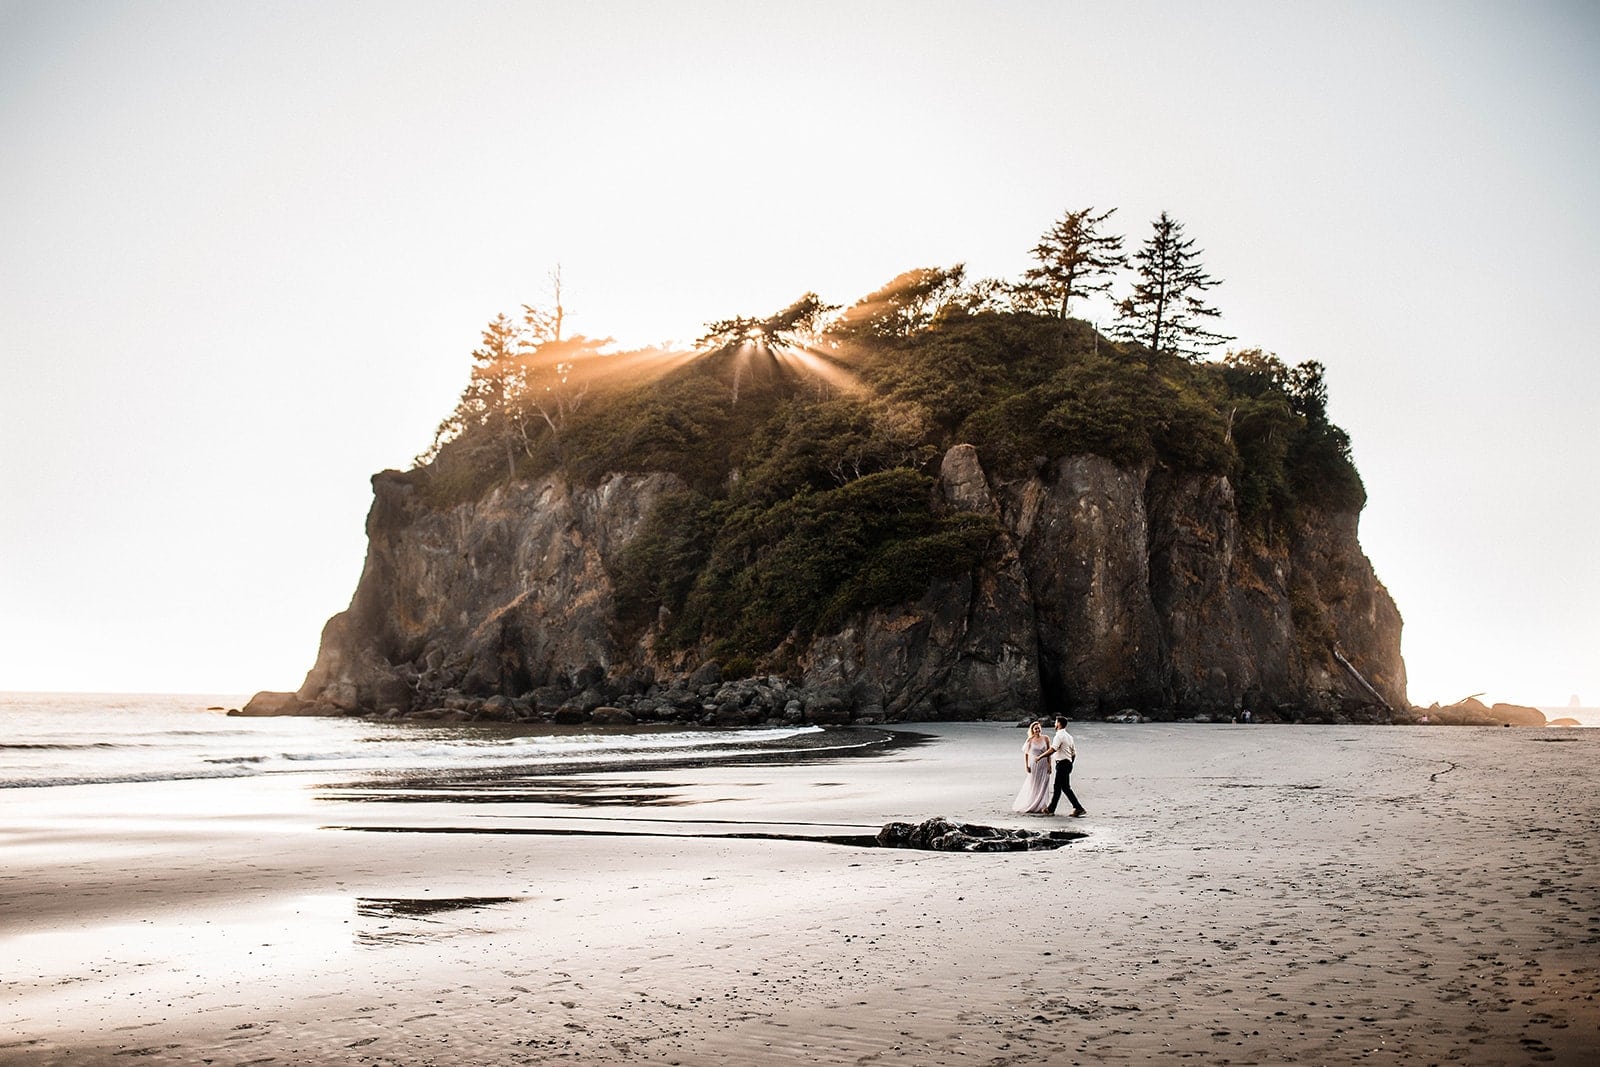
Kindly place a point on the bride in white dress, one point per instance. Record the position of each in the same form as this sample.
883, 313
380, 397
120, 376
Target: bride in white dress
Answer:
1034, 796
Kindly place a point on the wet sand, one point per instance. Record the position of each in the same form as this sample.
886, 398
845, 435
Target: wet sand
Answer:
1247, 895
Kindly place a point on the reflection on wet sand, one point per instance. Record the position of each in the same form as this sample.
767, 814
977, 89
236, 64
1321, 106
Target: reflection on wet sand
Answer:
516, 802
410, 911
560, 790
422, 908
858, 840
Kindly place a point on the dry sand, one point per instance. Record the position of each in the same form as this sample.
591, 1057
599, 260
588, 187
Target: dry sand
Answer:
1247, 895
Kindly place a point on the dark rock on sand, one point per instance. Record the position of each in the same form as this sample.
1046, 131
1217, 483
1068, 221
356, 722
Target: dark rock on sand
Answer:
939, 834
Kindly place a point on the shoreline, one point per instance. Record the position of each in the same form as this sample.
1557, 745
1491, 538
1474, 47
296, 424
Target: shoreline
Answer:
1319, 894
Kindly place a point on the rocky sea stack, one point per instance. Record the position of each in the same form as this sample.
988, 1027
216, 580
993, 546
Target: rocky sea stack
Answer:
926, 507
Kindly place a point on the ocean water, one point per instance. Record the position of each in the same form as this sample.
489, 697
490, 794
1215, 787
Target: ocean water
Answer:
59, 739
1584, 716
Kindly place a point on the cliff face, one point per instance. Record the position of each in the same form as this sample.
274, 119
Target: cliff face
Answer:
498, 596
966, 650
1109, 588
1147, 596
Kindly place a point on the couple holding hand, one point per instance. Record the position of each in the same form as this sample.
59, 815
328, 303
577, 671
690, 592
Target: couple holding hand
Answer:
1038, 795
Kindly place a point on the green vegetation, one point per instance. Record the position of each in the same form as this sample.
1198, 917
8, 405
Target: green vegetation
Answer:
807, 440
800, 564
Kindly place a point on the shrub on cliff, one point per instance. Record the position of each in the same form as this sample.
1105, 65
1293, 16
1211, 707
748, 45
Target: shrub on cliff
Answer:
659, 566
813, 559
1086, 395
679, 424
820, 444
1288, 455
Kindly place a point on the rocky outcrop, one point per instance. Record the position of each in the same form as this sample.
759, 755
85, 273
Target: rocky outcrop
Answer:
1474, 712
270, 703
1149, 597
499, 596
1109, 588
1084, 537
965, 650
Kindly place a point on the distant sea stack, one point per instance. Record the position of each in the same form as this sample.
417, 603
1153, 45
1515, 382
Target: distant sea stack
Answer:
1474, 712
957, 513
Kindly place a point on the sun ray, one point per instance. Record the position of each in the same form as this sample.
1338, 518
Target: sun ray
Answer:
821, 365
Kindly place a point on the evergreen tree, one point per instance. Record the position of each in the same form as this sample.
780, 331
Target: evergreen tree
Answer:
523, 374
1075, 259
1164, 312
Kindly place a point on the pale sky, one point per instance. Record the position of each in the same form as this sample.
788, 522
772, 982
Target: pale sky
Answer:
247, 247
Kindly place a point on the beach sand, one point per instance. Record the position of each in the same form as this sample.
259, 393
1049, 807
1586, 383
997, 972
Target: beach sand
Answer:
1246, 895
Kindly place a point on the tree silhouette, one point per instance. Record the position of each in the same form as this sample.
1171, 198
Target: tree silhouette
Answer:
908, 303
1075, 259
488, 408
524, 374
1164, 312
794, 326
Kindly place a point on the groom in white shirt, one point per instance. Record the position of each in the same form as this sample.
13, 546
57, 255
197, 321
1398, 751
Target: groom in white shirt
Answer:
1064, 752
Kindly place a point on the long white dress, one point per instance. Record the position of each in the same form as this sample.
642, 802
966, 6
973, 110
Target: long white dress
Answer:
1034, 796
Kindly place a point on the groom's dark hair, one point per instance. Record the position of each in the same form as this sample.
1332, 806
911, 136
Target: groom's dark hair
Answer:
1061, 722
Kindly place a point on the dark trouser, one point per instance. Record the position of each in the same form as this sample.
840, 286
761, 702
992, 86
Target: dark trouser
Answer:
1064, 785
